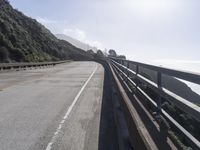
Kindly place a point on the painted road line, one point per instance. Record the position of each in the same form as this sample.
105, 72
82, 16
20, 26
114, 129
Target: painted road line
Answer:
53, 139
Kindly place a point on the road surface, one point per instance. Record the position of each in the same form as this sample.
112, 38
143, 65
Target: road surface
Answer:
57, 108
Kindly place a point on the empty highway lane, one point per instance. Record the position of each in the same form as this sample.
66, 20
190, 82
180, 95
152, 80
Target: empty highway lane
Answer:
55, 108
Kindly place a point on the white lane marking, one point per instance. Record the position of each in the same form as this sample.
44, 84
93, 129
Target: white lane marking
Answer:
53, 139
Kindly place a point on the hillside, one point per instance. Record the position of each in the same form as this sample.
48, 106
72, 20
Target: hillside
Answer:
75, 42
24, 39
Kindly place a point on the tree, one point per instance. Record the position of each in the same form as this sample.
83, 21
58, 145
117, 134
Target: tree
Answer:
121, 57
100, 53
112, 53
90, 51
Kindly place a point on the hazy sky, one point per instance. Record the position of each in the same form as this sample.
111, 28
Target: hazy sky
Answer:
144, 30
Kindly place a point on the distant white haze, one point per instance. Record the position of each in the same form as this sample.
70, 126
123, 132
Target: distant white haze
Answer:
162, 32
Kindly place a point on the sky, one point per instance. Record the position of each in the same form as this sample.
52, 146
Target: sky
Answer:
165, 32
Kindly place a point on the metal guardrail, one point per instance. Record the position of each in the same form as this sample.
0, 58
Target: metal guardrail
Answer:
8, 66
123, 67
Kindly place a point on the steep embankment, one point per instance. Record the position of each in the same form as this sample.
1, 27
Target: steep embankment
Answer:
24, 39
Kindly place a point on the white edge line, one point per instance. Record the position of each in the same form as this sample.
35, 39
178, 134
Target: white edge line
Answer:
53, 139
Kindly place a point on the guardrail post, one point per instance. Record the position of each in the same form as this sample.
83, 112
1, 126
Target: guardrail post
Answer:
159, 84
137, 72
122, 68
127, 72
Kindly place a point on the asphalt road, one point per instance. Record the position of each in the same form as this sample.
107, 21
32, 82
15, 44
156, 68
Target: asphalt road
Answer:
57, 108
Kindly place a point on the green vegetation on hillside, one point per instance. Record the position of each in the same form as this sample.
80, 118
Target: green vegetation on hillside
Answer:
24, 39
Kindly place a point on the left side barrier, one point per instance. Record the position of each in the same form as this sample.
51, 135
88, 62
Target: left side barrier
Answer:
24, 66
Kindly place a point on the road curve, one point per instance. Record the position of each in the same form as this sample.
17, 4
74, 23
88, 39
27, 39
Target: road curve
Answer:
55, 108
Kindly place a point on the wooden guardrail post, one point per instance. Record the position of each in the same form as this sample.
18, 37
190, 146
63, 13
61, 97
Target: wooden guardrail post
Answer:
136, 78
127, 72
159, 84
123, 69
121, 62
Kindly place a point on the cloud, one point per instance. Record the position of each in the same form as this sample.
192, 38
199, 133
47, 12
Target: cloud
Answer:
95, 44
82, 36
45, 21
51, 23
75, 33
55, 26
72, 32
